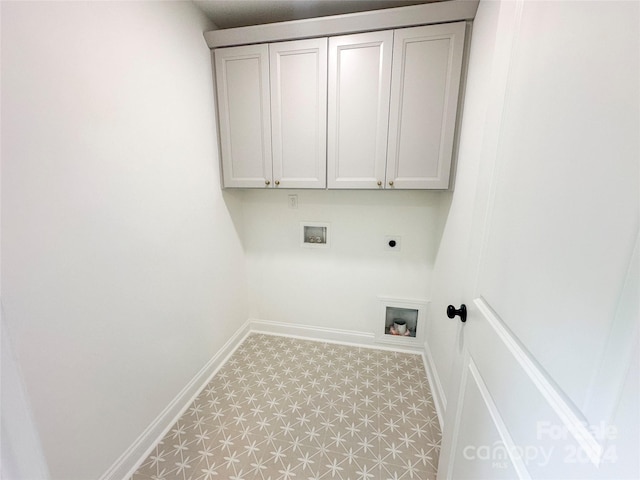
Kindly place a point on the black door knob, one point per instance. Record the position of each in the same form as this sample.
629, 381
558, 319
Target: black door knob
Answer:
461, 312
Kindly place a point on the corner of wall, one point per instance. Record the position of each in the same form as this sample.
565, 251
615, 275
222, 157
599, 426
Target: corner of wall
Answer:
130, 460
21, 454
437, 391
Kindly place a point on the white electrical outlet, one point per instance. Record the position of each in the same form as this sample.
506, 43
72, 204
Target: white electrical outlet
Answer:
392, 243
293, 201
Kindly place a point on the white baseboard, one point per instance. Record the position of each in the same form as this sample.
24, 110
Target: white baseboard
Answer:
437, 391
313, 333
130, 460
332, 335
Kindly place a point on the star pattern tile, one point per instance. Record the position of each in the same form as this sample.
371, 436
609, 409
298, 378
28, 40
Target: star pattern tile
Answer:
289, 409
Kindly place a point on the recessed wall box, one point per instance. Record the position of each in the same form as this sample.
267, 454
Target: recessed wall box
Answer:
315, 235
402, 321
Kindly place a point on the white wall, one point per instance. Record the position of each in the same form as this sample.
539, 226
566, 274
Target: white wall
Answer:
338, 287
122, 269
21, 453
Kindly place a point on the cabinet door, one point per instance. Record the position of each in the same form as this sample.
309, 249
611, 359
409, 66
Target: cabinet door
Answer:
358, 109
427, 63
242, 83
298, 72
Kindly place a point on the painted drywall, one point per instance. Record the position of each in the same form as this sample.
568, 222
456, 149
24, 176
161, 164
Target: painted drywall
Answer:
21, 453
123, 272
337, 287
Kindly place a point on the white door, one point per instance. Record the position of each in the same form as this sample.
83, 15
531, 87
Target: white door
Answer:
299, 113
358, 109
242, 85
544, 375
425, 81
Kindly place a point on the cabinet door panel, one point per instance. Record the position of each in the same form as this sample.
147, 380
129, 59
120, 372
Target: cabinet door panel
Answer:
299, 112
358, 109
424, 100
242, 81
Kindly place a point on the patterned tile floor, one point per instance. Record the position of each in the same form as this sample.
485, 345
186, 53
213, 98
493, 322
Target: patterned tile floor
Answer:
285, 408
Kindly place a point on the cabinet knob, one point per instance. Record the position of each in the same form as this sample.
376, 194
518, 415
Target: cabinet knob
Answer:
379, 183
391, 183
267, 182
277, 182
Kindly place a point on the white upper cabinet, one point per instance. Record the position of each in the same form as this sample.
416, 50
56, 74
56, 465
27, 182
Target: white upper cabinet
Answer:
427, 63
272, 104
358, 109
299, 113
391, 121
242, 81
374, 110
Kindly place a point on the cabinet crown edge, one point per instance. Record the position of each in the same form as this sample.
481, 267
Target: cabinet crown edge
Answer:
389, 18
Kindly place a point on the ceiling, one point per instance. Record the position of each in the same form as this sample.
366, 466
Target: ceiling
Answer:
240, 13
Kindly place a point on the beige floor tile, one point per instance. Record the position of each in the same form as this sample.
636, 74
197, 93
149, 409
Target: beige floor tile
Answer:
285, 408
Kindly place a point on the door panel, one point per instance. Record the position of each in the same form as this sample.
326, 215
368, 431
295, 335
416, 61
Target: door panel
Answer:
551, 259
540, 432
555, 192
358, 109
486, 438
299, 112
547, 359
242, 83
427, 62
